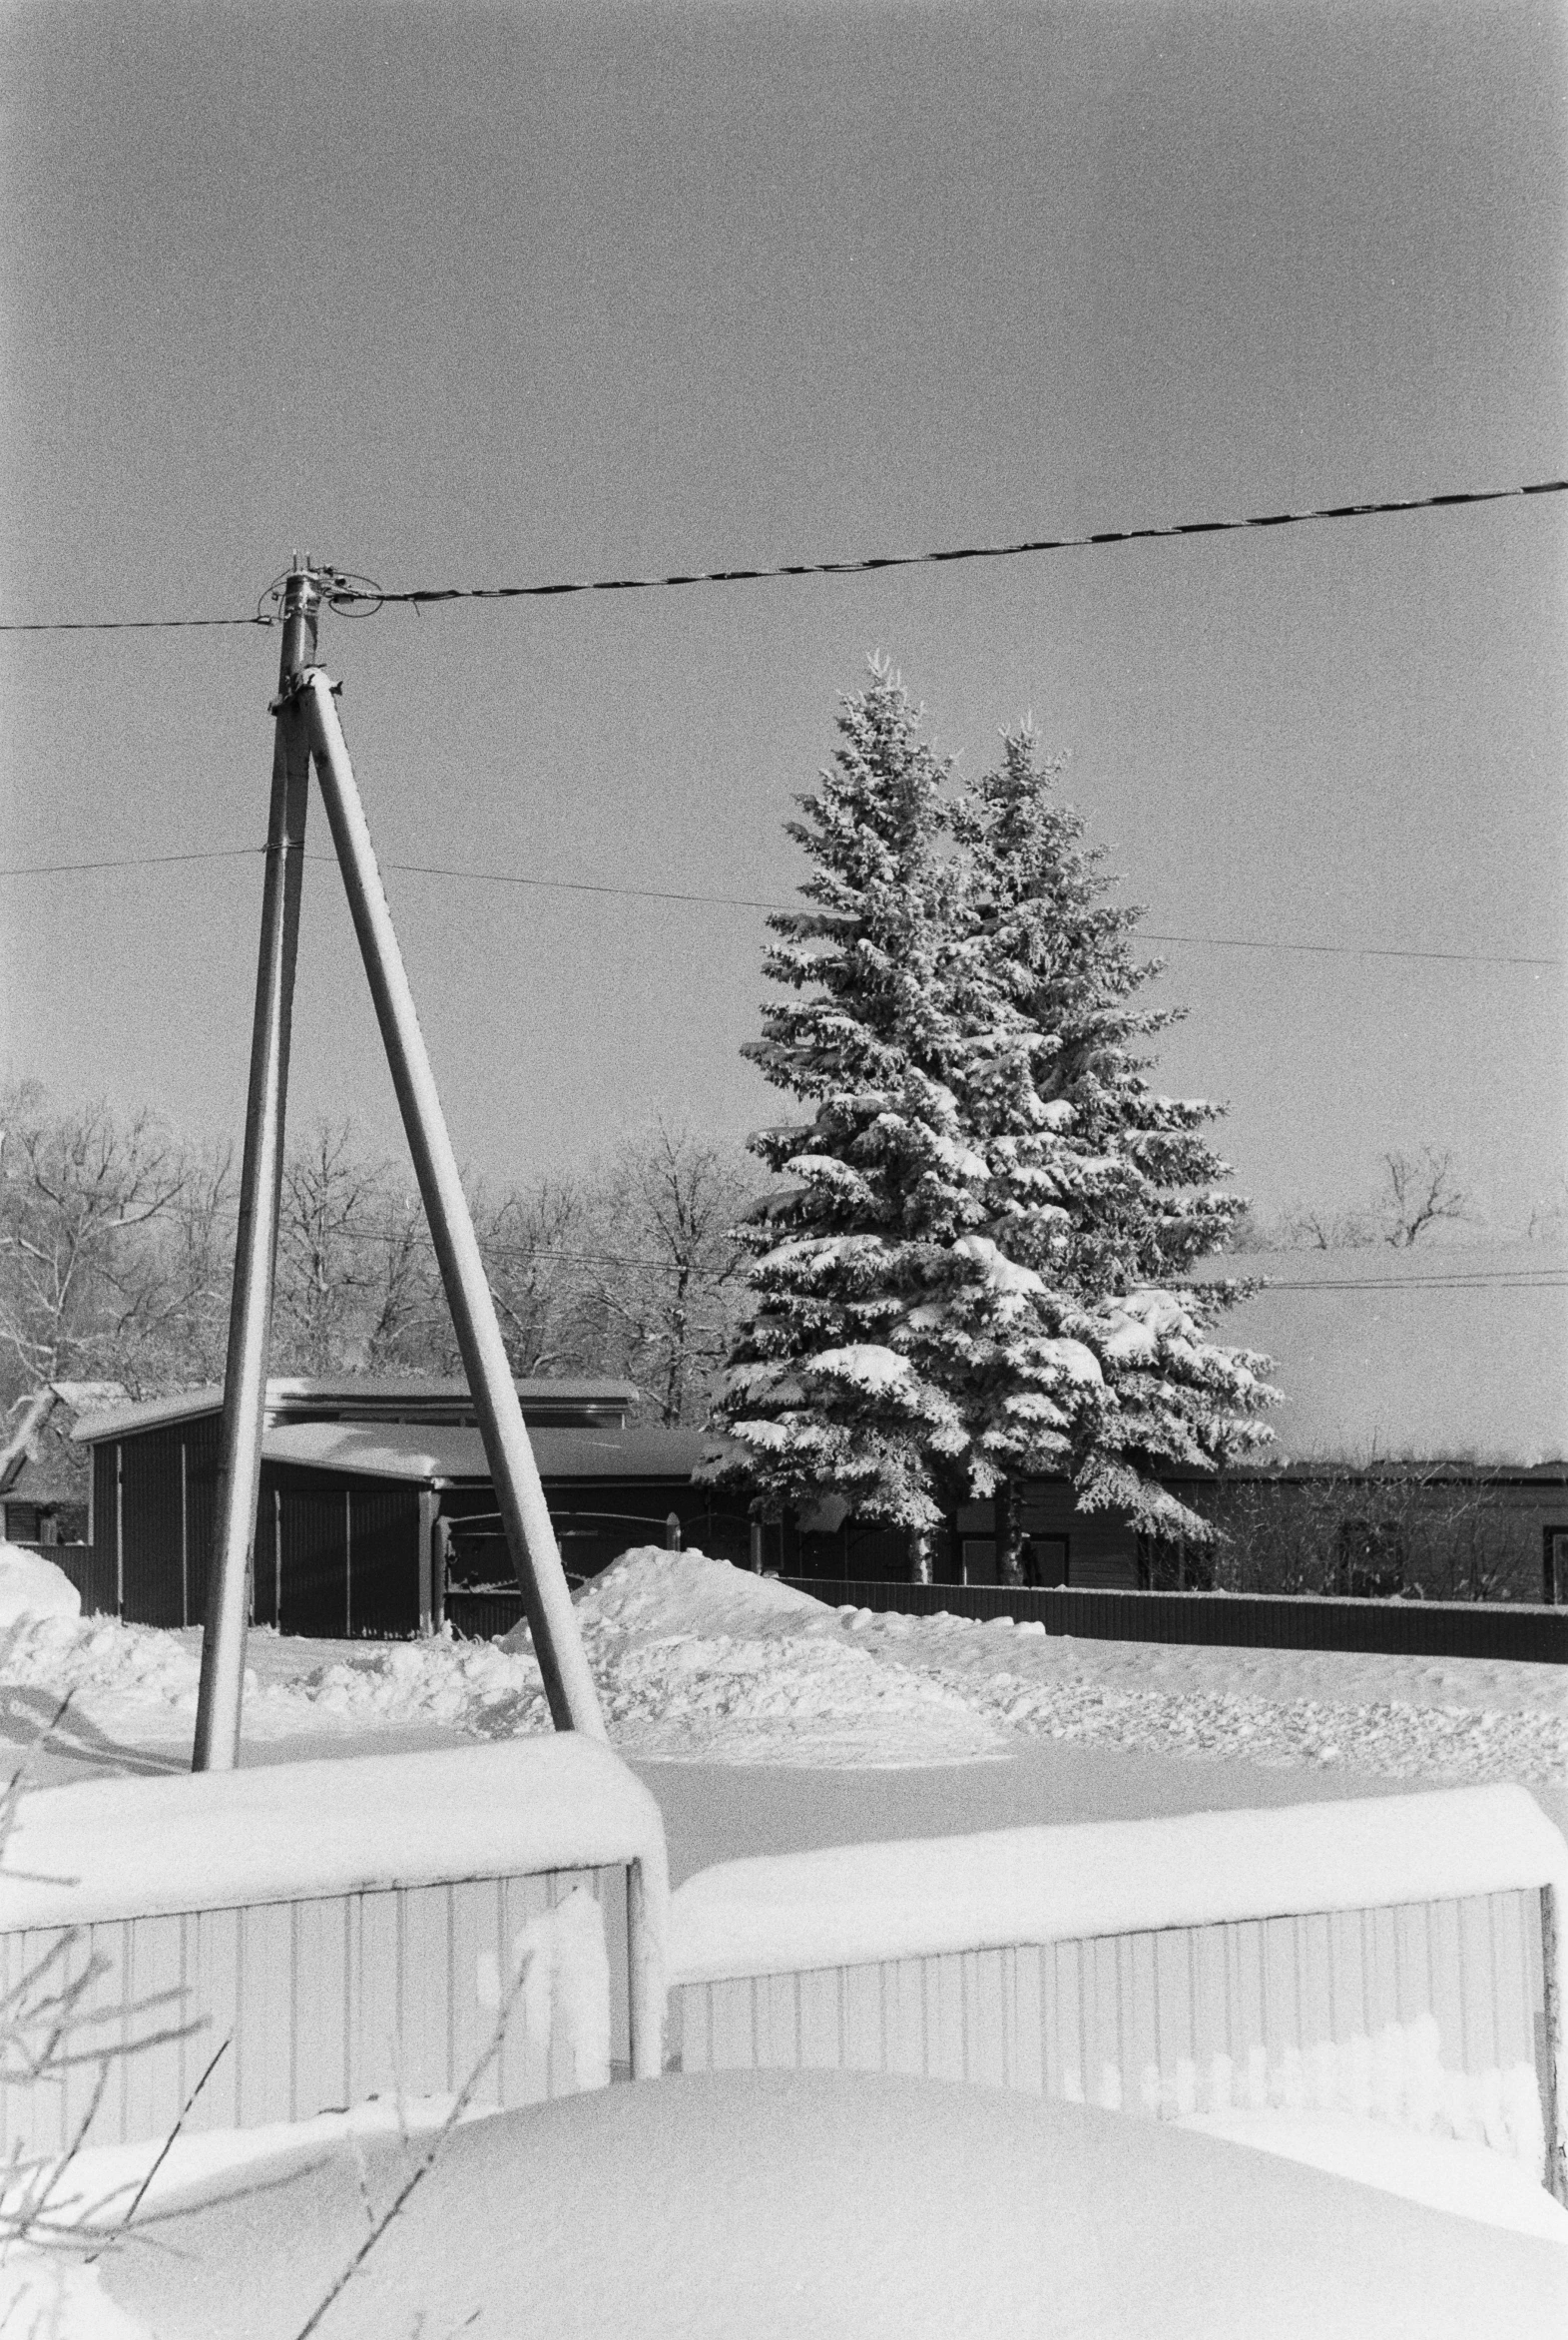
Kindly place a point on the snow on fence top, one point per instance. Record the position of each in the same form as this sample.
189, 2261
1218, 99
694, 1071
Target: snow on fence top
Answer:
853, 1905
133, 1847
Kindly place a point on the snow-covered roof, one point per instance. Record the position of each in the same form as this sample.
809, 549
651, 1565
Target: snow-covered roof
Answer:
120, 1848
853, 1904
1435, 1354
367, 1398
414, 1452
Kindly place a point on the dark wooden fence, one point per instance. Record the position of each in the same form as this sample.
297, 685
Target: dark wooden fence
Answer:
1414, 1628
480, 1616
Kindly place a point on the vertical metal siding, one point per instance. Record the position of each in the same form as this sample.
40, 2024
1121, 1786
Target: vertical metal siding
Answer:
385, 1558
153, 1530
201, 1454
312, 1570
1314, 2009
324, 2003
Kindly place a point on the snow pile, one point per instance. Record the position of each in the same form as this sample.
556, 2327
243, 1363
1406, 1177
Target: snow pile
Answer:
694, 1658
98, 1658
1463, 2179
653, 1594
31, 1587
734, 2207
45, 2293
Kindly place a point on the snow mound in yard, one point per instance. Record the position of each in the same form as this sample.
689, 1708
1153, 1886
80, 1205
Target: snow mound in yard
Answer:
97, 1657
694, 1658
735, 2206
651, 1594
34, 1587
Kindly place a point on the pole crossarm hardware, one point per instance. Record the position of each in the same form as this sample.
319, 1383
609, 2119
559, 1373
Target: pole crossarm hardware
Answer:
307, 728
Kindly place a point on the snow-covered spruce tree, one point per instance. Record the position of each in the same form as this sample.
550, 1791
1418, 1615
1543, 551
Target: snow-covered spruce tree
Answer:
1103, 1188
921, 1327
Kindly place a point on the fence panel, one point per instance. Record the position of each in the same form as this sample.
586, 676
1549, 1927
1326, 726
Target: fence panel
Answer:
322, 2002
1417, 1628
1428, 2015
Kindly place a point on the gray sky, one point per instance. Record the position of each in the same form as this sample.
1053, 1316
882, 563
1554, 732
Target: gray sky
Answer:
456, 295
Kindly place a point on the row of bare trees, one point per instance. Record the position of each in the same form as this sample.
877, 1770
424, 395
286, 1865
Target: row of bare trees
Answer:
117, 1245
1419, 1197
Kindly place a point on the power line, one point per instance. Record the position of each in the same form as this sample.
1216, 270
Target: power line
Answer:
1547, 1278
120, 625
746, 902
972, 552
363, 597
1507, 1280
226, 852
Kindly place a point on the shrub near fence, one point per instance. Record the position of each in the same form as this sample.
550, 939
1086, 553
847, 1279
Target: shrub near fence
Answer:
1424, 1628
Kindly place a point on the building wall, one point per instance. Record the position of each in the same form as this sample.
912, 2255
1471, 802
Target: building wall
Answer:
1093, 1549
1443, 1535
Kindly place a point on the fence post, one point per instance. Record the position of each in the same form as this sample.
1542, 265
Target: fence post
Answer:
1554, 1961
646, 1999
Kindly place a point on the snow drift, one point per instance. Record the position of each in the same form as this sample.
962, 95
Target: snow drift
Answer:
31, 1587
765, 2206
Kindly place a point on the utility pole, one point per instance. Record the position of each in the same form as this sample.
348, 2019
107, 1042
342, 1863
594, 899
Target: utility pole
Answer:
308, 726
260, 1180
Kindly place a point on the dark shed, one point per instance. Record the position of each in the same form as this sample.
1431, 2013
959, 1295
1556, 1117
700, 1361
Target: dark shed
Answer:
374, 1495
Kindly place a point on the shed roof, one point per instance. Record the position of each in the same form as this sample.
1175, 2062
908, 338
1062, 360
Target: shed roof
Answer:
454, 1456
368, 1398
1433, 1354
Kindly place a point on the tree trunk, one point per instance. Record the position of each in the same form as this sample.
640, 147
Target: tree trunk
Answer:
1009, 1536
920, 1572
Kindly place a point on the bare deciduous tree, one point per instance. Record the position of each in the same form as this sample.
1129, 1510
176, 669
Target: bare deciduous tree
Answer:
356, 1283
1420, 1193
530, 1239
1423, 1193
665, 1270
80, 1289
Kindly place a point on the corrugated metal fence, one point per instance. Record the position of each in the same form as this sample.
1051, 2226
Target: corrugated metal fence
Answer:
1427, 2015
1418, 1628
322, 2002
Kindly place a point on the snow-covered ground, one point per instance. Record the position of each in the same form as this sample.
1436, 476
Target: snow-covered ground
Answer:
712, 1676
755, 2205
696, 1660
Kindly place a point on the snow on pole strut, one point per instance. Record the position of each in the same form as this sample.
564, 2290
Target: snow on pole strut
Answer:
569, 1686
251, 1308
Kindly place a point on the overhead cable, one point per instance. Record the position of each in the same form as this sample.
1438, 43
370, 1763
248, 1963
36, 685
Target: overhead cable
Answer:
745, 902
360, 597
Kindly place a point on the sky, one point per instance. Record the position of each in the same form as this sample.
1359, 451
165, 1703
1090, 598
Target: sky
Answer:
459, 294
